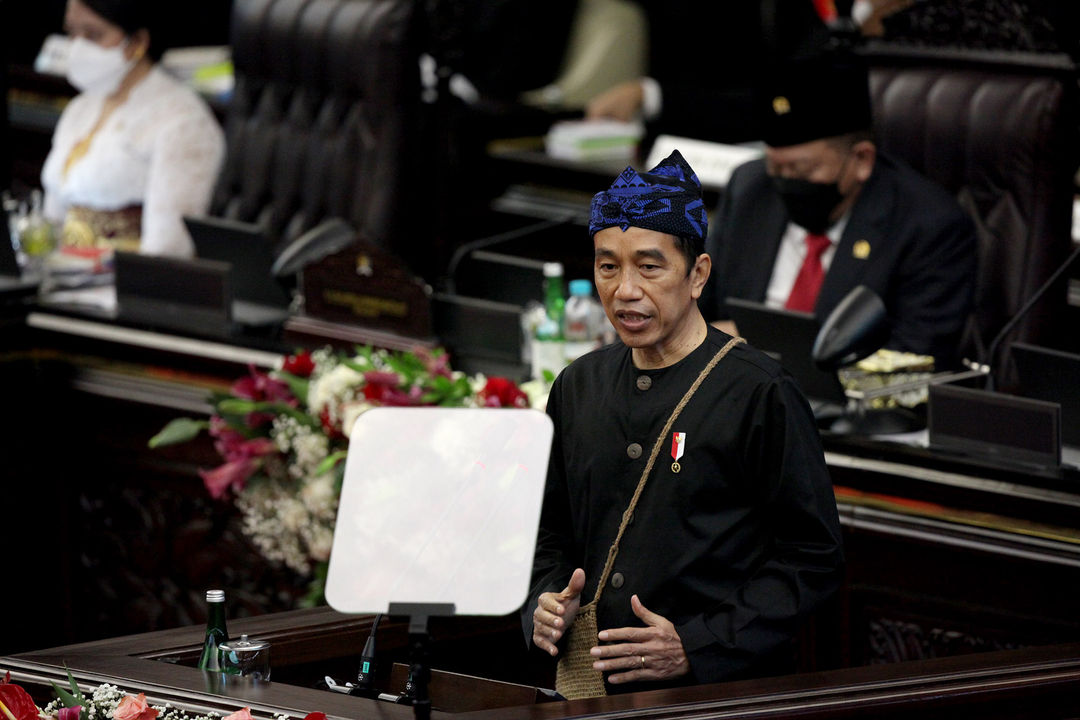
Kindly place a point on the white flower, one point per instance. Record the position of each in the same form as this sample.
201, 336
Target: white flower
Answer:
476, 382
292, 512
537, 391
350, 412
320, 542
319, 495
330, 389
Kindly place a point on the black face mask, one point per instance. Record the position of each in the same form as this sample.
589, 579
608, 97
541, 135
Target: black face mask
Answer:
809, 204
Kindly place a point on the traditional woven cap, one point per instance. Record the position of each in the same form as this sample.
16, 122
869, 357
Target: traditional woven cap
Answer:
815, 97
666, 199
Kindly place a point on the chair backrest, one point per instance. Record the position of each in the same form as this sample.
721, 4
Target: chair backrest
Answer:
319, 125
999, 130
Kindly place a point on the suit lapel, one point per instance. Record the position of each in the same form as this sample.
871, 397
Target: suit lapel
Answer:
855, 252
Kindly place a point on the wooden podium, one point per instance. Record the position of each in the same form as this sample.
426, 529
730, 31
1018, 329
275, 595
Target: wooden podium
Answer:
306, 644
455, 693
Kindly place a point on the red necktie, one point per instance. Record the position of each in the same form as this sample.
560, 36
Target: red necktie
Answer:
808, 282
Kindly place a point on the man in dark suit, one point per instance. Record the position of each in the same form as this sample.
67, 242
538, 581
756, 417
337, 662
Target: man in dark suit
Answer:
703, 74
823, 211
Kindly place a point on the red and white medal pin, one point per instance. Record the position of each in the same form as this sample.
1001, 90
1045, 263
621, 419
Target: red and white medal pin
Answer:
678, 444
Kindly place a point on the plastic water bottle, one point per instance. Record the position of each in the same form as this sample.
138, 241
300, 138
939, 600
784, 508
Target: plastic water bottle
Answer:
582, 320
582, 313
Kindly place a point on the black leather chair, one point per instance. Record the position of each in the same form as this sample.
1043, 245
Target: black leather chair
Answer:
321, 121
1000, 131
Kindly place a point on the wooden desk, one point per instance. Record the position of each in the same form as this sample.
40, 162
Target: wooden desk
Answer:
1042, 682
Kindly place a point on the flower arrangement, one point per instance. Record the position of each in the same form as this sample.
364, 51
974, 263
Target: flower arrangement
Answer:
105, 701
283, 436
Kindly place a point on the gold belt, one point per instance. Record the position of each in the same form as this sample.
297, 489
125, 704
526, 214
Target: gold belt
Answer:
116, 229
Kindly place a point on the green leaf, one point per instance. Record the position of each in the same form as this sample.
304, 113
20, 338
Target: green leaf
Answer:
358, 367
549, 377
316, 594
74, 685
237, 407
180, 430
339, 477
65, 697
298, 386
73, 698
330, 461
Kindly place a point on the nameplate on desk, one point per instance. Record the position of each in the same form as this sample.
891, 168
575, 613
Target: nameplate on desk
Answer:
712, 162
180, 294
365, 285
994, 426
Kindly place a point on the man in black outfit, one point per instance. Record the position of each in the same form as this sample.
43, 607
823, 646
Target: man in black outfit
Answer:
735, 536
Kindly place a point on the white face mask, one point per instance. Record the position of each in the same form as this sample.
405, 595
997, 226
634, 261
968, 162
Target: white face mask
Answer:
96, 69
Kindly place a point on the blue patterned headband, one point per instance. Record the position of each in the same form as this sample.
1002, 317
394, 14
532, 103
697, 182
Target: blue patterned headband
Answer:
666, 199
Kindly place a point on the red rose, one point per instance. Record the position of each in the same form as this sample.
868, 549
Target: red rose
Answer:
299, 364
501, 392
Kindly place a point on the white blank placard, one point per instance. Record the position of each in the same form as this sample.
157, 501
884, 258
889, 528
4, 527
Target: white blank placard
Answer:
439, 505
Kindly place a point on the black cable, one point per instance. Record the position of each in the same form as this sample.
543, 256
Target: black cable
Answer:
483, 242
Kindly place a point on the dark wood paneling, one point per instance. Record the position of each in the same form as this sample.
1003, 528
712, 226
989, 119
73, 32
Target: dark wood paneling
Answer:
1026, 683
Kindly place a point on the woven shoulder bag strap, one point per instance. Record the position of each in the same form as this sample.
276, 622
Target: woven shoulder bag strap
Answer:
614, 550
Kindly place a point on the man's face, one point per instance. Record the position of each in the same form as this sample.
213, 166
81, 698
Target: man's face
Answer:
825, 162
642, 280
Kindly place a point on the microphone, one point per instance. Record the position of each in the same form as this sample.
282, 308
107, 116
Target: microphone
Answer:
1030, 303
365, 679
463, 250
858, 326
328, 237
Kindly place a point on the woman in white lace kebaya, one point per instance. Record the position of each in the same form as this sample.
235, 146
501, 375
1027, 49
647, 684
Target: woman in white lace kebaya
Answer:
136, 150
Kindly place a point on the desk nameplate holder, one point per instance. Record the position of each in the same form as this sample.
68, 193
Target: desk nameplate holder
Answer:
438, 516
981, 423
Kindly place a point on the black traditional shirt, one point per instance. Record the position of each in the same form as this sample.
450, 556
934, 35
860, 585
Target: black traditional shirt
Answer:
733, 548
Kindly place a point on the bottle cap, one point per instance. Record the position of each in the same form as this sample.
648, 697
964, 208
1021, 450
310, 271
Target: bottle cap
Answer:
581, 286
548, 329
553, 269
215, 596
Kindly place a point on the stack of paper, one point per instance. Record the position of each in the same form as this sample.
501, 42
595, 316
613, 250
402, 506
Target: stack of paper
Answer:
594, 140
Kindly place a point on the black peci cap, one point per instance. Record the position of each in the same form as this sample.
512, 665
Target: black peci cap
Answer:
815, 97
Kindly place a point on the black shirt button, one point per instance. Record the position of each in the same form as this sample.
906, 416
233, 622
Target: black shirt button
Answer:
644, 382
617, 580
633, 450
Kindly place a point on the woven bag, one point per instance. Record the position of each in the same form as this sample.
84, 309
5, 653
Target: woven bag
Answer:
575, 677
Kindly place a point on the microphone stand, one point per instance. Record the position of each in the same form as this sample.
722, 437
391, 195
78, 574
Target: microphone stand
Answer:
466, 248
1024, 309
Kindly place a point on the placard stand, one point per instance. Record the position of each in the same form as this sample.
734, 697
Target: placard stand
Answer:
438, 516
419, 641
